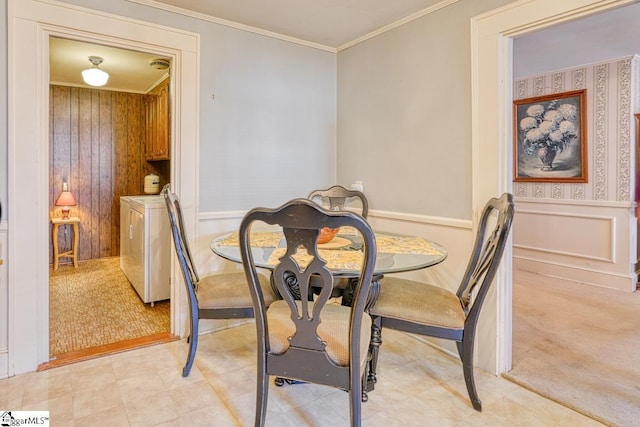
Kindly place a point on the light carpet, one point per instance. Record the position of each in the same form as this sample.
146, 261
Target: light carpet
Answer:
95, 304
579, 345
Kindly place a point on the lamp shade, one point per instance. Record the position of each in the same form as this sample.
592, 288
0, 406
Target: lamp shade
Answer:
94, 76
65, 199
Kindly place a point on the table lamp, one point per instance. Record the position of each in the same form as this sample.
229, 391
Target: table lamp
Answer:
65, 199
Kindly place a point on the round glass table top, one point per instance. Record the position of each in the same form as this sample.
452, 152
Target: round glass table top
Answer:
395, 252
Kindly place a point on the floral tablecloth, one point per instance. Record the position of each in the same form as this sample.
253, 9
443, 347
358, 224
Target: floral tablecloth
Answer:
340, 258
268, 239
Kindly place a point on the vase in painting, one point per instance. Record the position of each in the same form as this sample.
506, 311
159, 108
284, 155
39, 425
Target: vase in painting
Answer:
547, 155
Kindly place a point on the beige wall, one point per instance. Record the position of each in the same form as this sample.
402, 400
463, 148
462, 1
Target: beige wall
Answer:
267, 111
405, 130
404, 109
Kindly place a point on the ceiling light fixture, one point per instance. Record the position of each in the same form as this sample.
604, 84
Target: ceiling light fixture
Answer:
94, 76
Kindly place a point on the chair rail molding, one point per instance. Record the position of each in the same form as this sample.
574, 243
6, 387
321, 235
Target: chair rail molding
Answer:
390, 215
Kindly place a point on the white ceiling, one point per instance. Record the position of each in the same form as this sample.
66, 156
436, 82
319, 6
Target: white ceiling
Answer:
129, 71
593, 39
335, 23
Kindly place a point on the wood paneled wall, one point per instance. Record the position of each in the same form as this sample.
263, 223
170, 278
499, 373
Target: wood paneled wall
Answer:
97, 146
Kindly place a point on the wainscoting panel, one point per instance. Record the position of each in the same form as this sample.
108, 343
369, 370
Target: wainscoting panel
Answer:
585, 241
554, 233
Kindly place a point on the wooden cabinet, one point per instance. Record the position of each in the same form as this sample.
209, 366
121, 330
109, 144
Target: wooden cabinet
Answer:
158, 141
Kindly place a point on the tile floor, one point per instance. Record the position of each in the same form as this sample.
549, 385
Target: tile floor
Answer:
417, 386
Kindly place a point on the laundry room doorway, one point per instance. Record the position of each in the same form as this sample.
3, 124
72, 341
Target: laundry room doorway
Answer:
32, 23
108, 140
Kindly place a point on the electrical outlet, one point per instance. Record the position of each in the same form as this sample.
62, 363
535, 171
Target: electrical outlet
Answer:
358, 186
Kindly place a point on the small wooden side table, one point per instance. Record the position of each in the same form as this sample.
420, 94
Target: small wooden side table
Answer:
73, 253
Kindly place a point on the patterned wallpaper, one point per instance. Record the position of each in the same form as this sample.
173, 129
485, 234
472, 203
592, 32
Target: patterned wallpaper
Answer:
612, 98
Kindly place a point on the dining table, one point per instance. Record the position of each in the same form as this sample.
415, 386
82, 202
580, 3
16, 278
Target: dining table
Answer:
395, 253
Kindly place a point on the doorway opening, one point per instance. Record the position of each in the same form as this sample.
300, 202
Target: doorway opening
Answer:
493, 54
28, 152
105, 143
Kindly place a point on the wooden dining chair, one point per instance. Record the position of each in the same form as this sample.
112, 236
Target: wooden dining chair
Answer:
339, 197
430, 310
216, 296
314, 340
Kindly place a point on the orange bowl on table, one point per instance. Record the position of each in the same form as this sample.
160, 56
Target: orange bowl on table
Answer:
327, 234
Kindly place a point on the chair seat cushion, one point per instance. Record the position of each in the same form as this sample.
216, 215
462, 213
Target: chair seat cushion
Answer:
419, 303
333, 330
230, 290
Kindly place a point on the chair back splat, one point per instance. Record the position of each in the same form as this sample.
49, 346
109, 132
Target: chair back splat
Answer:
431, 310
216, 296
304, 336
339, 196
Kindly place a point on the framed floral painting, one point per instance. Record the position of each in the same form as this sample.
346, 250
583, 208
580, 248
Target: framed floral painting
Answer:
550, 139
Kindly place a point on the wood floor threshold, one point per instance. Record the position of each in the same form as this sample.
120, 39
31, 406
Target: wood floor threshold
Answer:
104, 350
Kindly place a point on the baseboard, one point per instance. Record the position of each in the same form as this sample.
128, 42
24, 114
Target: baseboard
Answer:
575, 274
4, 363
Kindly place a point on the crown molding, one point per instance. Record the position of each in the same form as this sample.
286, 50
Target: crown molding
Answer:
232, 24
256, 30
398, 23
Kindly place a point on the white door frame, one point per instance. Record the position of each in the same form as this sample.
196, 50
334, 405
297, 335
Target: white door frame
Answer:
491, 86
30, 23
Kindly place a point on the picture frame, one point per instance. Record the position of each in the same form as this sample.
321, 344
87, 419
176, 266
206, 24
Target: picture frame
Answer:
550, 138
